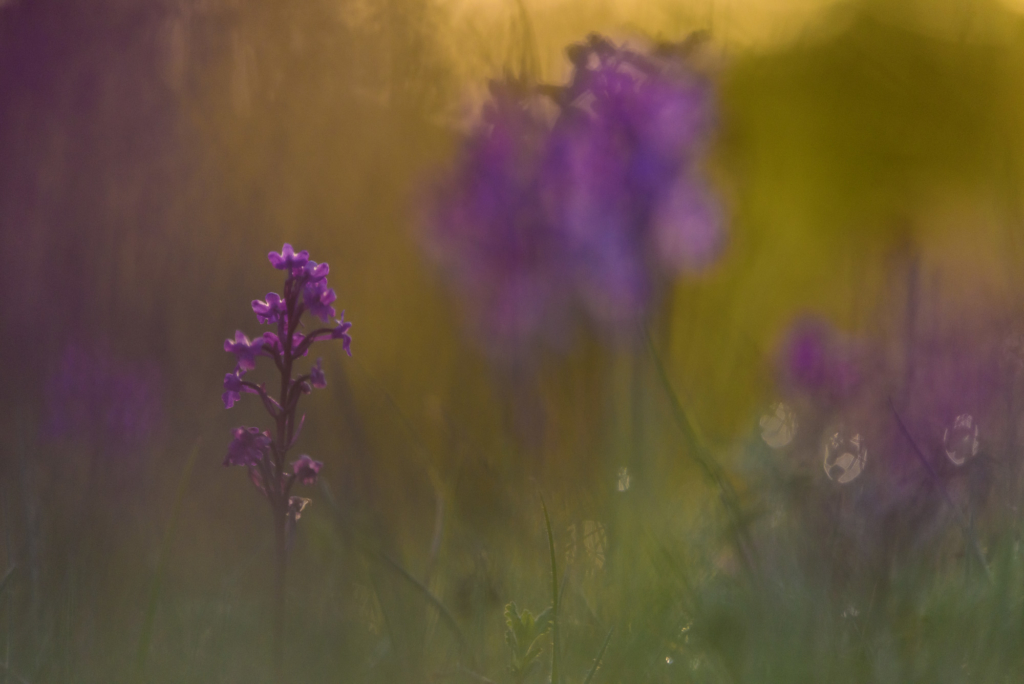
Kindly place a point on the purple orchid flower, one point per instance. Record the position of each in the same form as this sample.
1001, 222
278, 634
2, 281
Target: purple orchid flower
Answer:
264, 453
305, 290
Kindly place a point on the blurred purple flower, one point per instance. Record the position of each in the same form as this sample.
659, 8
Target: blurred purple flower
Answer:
671, 115
271, 310
287, 259
588, 195
593, 207
489, 232
687, 227
619, 170
95, 397
244, 349
306, 469
954, 382
248, 447
817, 360
318, 299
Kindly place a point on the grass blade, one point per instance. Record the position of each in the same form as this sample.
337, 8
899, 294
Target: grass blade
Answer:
554, 597
375, 555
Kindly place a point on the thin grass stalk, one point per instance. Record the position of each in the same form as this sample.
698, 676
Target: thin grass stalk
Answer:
555, 642
705, 460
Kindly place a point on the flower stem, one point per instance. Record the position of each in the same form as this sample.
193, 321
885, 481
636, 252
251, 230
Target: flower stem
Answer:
280, 571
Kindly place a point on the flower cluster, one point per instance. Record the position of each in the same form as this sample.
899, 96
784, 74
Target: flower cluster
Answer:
928, 407
582, 197
264, 452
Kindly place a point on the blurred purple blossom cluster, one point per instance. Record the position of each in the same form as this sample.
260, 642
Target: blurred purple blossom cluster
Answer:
927, 409
263, 452
93, 396
584, 198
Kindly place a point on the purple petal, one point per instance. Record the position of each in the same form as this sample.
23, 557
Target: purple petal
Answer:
244, 349
341, 333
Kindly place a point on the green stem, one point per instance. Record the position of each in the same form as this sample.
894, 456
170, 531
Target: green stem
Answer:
700, 453
280, 569
555, 645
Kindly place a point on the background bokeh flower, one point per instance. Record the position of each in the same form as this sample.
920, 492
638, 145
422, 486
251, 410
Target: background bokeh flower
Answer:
114, 405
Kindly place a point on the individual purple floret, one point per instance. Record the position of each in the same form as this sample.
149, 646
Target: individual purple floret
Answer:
271, 310
233, 388
287, 259
248, 447
244, 349
315, 271
306, 469
318, 299
340, 332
